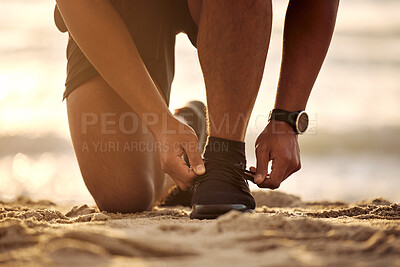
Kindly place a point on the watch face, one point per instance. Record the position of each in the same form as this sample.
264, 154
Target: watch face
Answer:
302, 122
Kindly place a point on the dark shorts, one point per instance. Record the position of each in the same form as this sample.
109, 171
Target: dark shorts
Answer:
153, 25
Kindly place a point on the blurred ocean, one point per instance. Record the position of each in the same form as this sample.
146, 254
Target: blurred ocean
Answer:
351, 152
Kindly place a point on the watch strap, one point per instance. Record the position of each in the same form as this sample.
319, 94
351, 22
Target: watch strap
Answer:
289, 117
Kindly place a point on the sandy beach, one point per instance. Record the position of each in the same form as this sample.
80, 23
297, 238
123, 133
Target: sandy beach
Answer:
350, 157
283, 231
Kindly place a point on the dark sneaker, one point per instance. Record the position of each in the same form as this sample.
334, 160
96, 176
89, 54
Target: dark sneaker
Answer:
222, 188
194, 115
177, 197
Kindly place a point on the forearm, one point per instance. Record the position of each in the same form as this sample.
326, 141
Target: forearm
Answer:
105, 40
308, 31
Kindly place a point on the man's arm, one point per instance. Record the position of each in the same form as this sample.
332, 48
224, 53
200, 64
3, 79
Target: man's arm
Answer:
105, 40
308, 31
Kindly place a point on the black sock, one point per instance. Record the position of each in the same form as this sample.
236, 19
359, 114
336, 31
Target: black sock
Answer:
228, 150
221, 184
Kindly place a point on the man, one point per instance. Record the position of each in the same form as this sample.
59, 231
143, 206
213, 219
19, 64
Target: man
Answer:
121, 60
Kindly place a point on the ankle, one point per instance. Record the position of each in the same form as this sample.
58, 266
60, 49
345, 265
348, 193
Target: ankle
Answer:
225, 149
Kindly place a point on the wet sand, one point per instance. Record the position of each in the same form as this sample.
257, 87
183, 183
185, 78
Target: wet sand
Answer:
284, 231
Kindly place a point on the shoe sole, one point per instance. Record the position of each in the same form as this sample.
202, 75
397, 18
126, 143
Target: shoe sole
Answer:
204, 212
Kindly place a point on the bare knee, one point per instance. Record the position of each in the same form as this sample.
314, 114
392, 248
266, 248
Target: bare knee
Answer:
124, 200
120, 179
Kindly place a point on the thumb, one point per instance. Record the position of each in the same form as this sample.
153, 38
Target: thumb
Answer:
195, 160
182, 174
277, 174
262, 166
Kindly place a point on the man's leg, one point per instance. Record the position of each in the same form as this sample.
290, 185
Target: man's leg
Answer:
118, 162
232, 44
233, 41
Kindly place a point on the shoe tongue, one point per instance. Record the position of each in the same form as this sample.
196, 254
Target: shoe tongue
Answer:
225, 149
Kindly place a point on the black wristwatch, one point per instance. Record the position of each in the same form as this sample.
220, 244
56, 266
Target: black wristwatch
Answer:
297, 119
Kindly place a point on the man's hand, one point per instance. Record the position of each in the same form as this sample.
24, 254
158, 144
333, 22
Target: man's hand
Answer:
176, 139
276, 143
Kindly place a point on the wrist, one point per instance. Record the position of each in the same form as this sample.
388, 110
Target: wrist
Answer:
158, 123
280, 127
290, 99
298, 120
289, 106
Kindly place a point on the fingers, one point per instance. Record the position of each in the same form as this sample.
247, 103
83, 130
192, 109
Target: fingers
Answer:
194, 156
282, 168
180, 172
262, 165
278, 172
277, 142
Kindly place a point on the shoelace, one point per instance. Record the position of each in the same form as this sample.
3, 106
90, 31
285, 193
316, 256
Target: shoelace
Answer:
238, 168
238, 178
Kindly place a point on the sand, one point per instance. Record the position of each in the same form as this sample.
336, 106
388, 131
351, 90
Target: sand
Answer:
284, 231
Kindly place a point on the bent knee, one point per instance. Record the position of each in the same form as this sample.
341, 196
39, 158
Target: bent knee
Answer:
125, 204
128, 198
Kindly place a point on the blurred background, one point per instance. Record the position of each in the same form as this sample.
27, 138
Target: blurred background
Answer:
351, 151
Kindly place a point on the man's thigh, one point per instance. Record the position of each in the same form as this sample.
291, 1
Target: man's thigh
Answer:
116, 154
